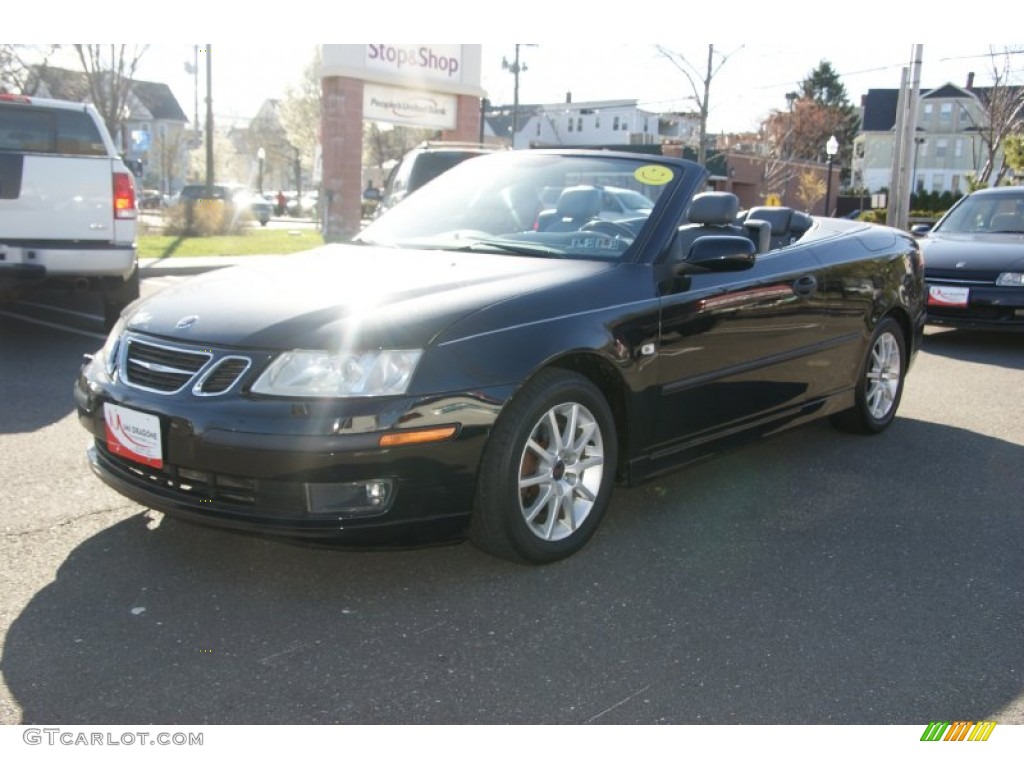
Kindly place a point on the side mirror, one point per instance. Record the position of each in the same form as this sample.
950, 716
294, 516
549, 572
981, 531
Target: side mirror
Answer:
920, 230
719, 253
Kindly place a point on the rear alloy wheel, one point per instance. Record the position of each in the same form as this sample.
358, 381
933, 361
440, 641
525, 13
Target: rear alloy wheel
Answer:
548, 471
881, 383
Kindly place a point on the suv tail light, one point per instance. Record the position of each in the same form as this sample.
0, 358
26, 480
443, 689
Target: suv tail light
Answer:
124, 196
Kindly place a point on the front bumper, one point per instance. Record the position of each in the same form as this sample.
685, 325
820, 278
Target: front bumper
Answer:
260, 466
989, 308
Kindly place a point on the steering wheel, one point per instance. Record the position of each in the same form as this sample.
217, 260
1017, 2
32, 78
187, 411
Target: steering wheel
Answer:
612, 228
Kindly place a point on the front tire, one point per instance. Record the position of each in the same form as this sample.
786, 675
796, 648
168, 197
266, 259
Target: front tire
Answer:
548, 471
880, 387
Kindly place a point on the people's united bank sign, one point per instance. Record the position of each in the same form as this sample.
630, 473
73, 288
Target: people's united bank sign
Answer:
409, 83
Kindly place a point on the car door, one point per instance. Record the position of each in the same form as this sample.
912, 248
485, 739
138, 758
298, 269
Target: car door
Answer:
739, 348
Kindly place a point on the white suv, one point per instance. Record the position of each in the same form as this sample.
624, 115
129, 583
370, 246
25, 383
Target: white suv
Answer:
67, 203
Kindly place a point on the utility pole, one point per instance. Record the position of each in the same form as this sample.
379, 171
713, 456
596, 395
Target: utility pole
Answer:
903, 140
209, 121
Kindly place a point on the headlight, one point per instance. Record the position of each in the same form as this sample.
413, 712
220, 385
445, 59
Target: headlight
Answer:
107, 356
315, 373
1015, 279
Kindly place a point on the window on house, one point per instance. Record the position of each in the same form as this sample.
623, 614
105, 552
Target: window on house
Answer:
538, 127
615, 123
579, 123
571, 124
928, 109
625, 125
945, 112
958, 148
597, 121
646, 124
940, 147
955, 184
919, 183
937, 182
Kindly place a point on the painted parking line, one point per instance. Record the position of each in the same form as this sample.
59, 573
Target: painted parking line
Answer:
56, 326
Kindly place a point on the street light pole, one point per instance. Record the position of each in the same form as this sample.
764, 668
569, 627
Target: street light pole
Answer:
831, 147
261, 155
515, 68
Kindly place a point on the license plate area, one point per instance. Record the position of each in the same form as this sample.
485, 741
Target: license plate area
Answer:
948, 296
133, 435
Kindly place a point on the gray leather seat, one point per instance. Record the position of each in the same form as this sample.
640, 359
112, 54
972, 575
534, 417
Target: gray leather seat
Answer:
576, 206
710, 213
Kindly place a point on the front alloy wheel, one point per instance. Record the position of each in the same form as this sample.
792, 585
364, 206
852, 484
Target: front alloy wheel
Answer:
547, 472
560, 471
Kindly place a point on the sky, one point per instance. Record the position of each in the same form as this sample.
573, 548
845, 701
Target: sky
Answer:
597, 55
752, 79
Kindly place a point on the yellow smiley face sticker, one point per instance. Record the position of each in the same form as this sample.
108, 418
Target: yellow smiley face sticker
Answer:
653, 175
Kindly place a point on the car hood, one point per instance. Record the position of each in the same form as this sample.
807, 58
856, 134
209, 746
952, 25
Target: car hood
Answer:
345, 296
982, 253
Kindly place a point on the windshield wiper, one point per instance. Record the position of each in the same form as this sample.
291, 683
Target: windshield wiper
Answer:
522, 249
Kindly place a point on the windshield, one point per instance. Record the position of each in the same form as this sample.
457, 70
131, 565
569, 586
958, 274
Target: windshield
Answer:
988, 213
535, 203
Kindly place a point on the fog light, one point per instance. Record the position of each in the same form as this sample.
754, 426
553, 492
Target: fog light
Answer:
369, 497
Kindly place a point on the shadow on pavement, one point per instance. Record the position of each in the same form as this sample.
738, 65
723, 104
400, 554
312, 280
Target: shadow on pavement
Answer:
1005, 349
815, 578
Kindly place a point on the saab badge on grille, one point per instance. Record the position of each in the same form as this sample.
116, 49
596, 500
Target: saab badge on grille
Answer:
187, 321
959, 265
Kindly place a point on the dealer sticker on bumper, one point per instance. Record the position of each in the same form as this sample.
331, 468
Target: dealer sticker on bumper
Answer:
948, 296
133, 435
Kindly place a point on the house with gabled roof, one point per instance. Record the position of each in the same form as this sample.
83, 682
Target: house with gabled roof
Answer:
948, 147
153, 131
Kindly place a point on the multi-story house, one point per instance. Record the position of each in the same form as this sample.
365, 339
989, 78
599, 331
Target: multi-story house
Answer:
948, 147
595, 123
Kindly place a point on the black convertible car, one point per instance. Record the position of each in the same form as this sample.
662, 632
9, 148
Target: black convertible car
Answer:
465, 367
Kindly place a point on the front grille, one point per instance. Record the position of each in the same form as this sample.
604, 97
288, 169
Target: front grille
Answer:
168, 369
959, 277
159, 367
222, 376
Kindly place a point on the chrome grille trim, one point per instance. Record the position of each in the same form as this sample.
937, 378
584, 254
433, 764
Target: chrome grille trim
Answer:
157, 367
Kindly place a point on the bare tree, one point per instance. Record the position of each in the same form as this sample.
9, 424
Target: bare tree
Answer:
300, 111
381, 145
700, 86
110, 70
1003, 105
17, 64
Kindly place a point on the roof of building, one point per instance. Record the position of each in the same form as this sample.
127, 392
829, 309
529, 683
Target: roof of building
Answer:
71, 85
880, 104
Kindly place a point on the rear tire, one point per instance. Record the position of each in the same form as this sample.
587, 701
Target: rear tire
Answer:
880, 386
548, 471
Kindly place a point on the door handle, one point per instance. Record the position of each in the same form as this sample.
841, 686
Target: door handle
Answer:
805, 285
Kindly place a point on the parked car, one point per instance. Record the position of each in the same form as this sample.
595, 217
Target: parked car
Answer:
421, 165
974, 262
151, 199
235, 197
260, 208
452, 372
68, 208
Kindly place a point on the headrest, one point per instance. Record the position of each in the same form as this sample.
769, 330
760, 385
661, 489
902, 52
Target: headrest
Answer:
713, 208
579, 202
778, 217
